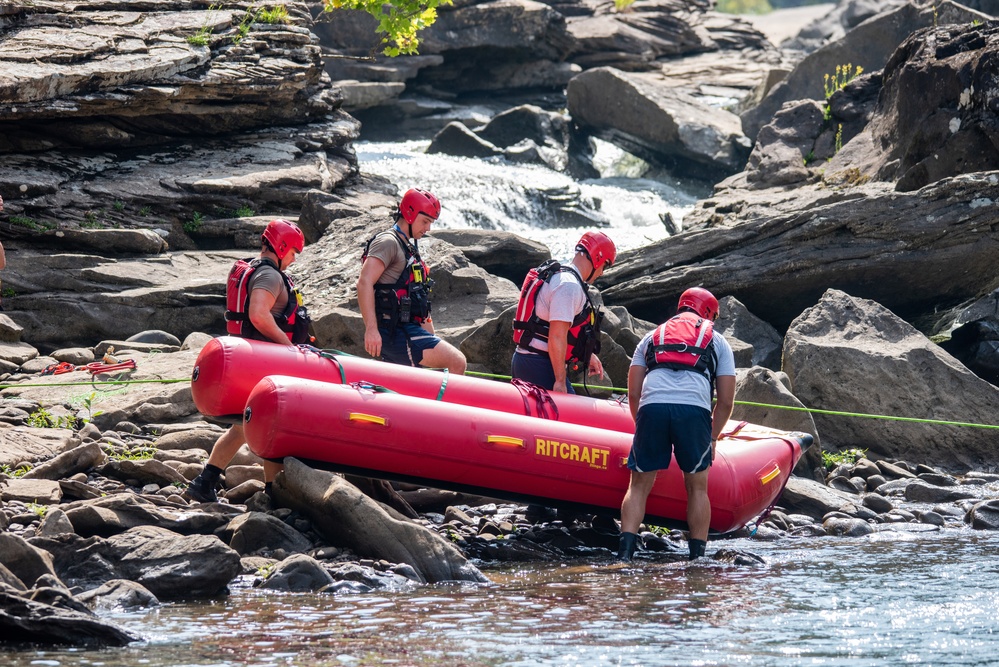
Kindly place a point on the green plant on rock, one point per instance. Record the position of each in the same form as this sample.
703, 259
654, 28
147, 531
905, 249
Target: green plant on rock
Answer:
743, 6
87, 402
244, 212
15, 473
145, 211
90, 221
119, 205
25, 221
38, 508
844, 75
832, 459
265, 571
201, 37
42, 418
194, 224
8, 292
273, 15
621, 5
398, 22
136, 453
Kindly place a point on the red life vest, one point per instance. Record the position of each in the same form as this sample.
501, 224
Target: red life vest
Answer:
408, 298
683, 342
583, 340
294, 320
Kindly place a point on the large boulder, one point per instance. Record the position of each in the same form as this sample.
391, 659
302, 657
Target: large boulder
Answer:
762, 398
133, 132
868, 46
854, 356
917, 253
168, 564
646, 116
935, 116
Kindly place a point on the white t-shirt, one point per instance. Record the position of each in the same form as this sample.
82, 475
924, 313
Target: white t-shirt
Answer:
560, 299
666, 385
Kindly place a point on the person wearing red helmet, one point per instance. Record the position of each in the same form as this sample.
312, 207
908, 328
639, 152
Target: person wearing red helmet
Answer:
268, 308
674, 372
556, 325
393, 291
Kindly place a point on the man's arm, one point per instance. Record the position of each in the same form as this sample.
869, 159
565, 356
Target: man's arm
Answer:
636, 380
558, 343
371, 271
261, 302
725, 391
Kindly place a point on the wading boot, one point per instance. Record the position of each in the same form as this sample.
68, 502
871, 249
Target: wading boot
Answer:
629, 542
202, 488
697, 548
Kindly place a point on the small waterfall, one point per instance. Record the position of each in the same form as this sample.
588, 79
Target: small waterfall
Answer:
534, 201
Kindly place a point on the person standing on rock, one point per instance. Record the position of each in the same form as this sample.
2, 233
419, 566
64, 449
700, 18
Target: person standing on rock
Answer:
674, 371
556, 325
393, 291
262, 304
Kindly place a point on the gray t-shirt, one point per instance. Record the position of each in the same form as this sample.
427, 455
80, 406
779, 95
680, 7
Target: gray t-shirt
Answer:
665, 385
267, 278
386, 248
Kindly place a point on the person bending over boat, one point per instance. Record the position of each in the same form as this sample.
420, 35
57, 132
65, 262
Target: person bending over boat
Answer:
556, 325
262, 304
393, 291
674, 371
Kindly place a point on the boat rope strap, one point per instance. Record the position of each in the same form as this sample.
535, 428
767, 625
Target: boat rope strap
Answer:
331, 355
542, 399
440, 394
371, 386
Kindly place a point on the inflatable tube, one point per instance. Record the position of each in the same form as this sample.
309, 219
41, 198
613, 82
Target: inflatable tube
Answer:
393, 436
228, 367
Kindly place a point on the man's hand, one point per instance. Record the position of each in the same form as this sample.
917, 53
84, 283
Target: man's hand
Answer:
559, 387
373, 342
596, 367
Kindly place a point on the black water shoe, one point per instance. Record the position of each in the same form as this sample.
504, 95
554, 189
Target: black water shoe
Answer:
202, 489
629, 543
697, 548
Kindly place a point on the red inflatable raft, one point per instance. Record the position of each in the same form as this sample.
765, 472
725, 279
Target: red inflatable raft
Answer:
229, 367
363, 430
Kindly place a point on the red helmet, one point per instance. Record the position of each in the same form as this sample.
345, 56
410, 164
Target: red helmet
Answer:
598, 247
283, 235
701, 301
415, 202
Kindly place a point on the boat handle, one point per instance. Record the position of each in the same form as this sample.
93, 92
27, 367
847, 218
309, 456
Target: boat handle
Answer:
505, 441
371, 419
770, 476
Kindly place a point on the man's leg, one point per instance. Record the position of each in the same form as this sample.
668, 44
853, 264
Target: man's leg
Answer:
698, 511
444, 355
633, 511
633, 507
202, 487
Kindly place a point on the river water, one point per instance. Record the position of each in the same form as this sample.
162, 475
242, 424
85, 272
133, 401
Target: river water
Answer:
892, 598
527, 199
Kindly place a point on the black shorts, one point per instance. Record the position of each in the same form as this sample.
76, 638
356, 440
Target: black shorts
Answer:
663, 430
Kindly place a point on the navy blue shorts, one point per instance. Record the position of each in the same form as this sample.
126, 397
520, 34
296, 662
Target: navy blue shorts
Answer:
666, 429
406, 343
536, 369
